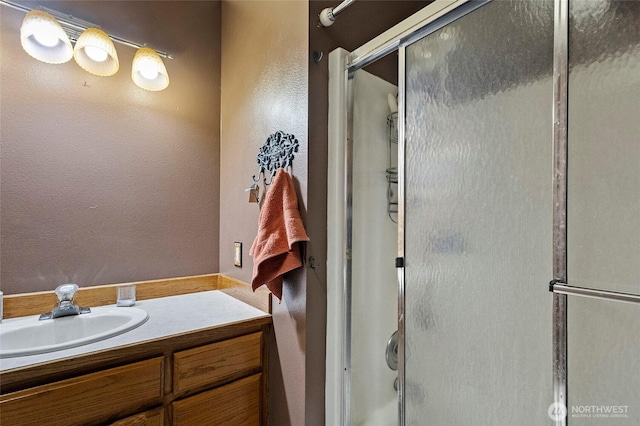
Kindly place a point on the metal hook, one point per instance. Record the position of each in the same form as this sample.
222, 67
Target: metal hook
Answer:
254, 192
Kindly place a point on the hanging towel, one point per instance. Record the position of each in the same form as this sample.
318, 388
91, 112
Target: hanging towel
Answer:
276, 250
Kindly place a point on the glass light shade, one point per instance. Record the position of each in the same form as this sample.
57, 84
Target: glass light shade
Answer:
95, 53
43, 38
148, 70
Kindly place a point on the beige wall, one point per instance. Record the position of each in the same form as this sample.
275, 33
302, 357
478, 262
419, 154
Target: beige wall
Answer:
263, 90
101, 181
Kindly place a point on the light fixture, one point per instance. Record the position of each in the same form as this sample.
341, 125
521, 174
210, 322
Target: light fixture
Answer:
46, 35
95, 53
43, 38
148, 70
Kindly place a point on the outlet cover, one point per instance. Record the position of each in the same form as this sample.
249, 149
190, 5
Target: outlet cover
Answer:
237, 254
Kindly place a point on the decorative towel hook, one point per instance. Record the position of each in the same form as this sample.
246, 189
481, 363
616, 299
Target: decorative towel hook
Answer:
278, 151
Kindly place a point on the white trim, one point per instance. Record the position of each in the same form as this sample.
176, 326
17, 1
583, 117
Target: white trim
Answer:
336, 236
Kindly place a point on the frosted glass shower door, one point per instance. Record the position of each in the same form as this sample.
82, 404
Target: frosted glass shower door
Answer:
604, 146
603, 206
478, 219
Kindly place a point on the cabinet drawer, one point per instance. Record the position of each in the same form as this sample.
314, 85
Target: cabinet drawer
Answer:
235, 404
89, 399
148, 418
216, 363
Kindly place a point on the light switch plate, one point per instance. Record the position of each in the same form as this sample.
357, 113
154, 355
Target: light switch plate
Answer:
237, 254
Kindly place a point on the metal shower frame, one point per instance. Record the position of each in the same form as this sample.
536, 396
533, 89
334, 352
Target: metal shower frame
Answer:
431, 18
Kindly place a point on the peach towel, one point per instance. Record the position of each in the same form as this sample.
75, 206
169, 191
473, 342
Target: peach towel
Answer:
276, 250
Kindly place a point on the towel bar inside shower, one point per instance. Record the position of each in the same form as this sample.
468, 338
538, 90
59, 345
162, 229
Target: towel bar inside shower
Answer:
563, 288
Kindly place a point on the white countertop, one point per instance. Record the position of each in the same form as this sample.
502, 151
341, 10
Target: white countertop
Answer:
168, 316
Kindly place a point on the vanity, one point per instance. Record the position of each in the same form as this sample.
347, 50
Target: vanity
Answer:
199, 359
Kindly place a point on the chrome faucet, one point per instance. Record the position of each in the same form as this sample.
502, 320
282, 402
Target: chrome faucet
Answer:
65, 307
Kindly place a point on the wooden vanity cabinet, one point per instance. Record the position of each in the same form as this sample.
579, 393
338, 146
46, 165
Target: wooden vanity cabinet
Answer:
219, 382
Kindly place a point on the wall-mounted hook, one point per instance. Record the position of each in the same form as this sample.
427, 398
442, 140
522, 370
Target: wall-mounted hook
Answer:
254, 192
277, 152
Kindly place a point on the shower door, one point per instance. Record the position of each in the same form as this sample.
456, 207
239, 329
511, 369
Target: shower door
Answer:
477, 219
479, 235
603, 212
518, 163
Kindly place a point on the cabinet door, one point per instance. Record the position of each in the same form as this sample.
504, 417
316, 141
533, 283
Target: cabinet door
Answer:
86, 400
235, 404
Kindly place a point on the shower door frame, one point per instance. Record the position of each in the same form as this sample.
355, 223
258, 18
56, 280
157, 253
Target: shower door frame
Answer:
342, 66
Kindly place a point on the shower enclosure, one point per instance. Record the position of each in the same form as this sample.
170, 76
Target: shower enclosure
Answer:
373, 247
515, 260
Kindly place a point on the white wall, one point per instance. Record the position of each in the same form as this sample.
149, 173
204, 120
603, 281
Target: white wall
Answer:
374, 249
373, 399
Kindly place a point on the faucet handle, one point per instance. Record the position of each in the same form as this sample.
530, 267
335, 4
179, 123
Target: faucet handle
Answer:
66, 292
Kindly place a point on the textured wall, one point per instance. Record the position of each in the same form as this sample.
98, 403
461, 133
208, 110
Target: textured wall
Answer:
264, 89
101, 181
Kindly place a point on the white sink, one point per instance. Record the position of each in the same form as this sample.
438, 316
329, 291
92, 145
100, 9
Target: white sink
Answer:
29, 336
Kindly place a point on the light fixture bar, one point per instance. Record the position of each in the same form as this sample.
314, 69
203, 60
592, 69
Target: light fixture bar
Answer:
74, 26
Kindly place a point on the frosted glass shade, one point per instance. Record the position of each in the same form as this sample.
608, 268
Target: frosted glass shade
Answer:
148, 70
43, 38
95, 53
